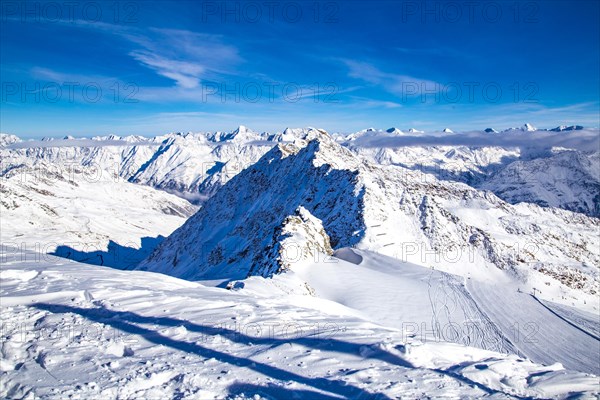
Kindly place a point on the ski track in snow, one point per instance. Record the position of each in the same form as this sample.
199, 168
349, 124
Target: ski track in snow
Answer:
574, 325
540, 334
475, 328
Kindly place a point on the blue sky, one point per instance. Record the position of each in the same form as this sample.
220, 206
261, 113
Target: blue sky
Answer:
88, 68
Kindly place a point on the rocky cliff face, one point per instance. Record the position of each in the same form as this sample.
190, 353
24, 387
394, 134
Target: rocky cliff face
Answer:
231, 234
300, 238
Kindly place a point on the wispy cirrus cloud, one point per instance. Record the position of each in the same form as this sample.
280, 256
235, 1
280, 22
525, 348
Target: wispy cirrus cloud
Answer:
185, 57
367, 102
185, 74
47, 74
394, 83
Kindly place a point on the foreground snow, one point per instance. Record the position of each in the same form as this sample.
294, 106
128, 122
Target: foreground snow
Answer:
71, 329
432, 305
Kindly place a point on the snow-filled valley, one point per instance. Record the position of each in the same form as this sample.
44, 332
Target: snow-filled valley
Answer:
301, 264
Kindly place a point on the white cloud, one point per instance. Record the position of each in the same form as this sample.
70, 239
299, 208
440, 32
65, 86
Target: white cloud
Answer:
363, 102
186, 74
183, 56
585, 140
51, 75
397, 84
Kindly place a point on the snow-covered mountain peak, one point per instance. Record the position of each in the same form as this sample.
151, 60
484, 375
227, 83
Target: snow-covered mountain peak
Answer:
288, 134
230, 235
294, 132
8, 139
239, 135
364, 133
240, 129
322, 149
315, 133
448, 130
243, 133
562, 128
527, 127
395, 131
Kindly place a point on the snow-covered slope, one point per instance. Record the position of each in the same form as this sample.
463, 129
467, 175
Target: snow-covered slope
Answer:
384, 281
386, 209
85, 214
194, 166
469, 165
568, 180
434, 306
72, 330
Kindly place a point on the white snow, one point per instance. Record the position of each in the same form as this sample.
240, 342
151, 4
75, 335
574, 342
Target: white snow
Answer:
434, 306
75, 330
85, 214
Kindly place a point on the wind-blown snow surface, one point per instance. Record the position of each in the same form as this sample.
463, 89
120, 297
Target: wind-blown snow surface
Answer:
431, 305
74, 330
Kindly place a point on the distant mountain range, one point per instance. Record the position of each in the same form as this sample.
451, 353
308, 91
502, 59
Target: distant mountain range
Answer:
195, 165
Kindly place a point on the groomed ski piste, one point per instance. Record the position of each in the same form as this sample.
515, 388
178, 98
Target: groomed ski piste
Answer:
434, 305
375, 328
